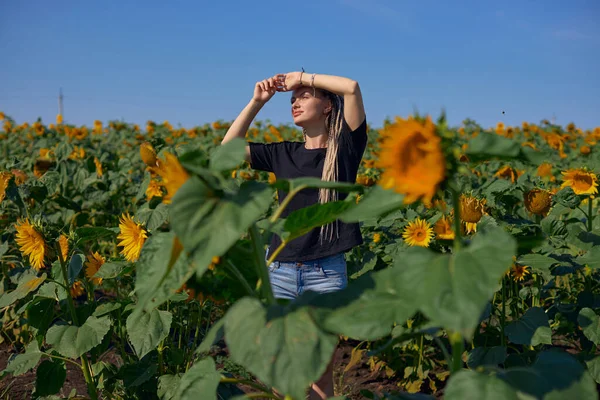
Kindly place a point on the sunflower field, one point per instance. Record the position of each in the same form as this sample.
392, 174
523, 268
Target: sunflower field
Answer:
135, 256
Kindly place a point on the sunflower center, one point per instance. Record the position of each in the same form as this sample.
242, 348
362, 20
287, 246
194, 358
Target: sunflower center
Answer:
582, 181
413, 152
420, 234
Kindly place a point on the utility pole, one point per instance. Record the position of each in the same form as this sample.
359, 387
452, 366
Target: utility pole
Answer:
60, 103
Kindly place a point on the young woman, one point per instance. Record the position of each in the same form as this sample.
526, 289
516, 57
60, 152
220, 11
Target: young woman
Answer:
330, 111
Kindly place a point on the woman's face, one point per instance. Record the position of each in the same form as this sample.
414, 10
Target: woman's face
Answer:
306, 108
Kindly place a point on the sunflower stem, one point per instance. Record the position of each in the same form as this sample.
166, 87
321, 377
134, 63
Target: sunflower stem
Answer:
503, 313
261, 268
590, 216
458, 347
85, 366
285, 203
456, 205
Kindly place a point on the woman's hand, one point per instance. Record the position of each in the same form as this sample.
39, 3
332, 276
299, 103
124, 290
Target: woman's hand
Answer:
265, 89
289, 81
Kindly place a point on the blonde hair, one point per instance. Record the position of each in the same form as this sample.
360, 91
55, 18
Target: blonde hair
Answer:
334, 125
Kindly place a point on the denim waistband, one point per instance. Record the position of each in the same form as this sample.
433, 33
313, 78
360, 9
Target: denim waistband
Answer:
321, 260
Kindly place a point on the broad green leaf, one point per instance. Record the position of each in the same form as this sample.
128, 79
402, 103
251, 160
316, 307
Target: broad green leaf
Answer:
75, 266
584, 388
375, 203
110, 269
199, 382
3, 248
481, 356
50, 377
85, 235
153, 218
487, 146
147, 329
135, 374
453, 290
52, 181
79, 179
197, 213
106, 308
531, 329
567, 197
537, 261
553, 370
52, 290
283, 347
22, 363
28, 283
302, 221
593, 367
591, 258
167, 386
73, 341
228, 155
590, 324
467, 384
368, 307
161, 270
40, 313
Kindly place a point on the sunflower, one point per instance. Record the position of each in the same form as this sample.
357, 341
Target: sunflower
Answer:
376, 237
154, 189
59, 119
93, 264
45, 153
98, 166
132, 236
507, 172
63, 243
500, 128
216, 260
418, 233
518, 272
272, 178
4, 179
411, 159
173, 176
538, 201
41, 166
471, 211
148, 154
31, 243
443, 229
77, 289
365, 180
581, 180
545, 171
585, 150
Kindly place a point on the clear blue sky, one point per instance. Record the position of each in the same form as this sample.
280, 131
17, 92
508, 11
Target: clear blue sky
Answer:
192, 62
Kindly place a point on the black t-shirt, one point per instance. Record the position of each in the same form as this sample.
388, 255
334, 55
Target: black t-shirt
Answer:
289, 160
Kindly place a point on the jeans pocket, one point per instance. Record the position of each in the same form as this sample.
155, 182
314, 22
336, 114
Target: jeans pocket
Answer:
334, 270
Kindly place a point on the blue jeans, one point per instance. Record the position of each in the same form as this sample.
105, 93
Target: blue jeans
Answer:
291, 279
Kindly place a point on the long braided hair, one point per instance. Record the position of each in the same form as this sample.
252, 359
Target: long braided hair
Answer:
334, 125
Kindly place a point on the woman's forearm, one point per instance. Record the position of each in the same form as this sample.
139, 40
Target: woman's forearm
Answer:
240, 126
336, 84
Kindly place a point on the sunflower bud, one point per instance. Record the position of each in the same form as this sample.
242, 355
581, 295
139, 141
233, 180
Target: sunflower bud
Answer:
148, 154
538, 201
